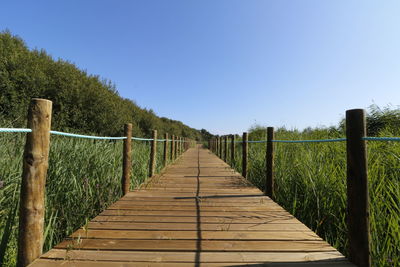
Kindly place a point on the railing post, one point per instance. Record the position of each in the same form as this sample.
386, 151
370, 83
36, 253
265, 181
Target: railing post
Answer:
172, 147
213, 150
35, 165
232, 149
179, 146
226, 149
166, 149
182, 140
213, 145
357, 189
269, 182
176, 147
221, 147
217, 147
245, 153
153, 152
126, 159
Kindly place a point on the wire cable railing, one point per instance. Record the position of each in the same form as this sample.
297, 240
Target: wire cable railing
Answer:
27, 130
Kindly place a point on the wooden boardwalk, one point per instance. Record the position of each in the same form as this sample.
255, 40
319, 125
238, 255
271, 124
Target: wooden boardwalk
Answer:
198, 213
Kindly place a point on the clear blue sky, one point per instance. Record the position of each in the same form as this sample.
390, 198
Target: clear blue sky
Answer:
224, 65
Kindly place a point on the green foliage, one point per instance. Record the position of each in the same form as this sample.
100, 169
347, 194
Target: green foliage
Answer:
81, 102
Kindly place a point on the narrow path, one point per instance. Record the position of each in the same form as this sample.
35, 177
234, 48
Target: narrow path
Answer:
198, 213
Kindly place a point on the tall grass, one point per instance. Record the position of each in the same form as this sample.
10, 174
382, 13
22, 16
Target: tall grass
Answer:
84, 177
311, 184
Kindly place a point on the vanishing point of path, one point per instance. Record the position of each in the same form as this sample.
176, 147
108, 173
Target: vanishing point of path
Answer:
198, 213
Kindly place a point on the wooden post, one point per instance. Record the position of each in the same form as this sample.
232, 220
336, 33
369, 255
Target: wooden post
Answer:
226, 149
220, 147
153, 152
213, 145
245, 153
173, 148
269, 181
357, 189
232, 149
35, 165
126, 159
166, 149
176, 147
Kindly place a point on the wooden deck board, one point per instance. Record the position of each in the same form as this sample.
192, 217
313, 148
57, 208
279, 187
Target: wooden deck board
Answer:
198, 213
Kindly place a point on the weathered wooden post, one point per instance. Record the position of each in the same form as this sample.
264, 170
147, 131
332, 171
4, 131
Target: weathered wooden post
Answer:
166, 149
153, 152
176, 147
220, 147
173, 148
213, 145
226, 149
179, 146
126, 159
269, 181
182, 142
232, 149
244, 155
35, 165
357, 189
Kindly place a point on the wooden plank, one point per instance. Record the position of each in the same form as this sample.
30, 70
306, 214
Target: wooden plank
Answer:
194, 226
206, 257
189, 213
192, 245
52, 263
209, 235
127, 206
193, 219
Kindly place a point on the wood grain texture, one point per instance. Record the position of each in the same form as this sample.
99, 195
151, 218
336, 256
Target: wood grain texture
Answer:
32, 197
198, 213
153, 154
126, 159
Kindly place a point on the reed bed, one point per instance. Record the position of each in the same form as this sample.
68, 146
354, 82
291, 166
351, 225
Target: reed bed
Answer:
84, 178
310, 183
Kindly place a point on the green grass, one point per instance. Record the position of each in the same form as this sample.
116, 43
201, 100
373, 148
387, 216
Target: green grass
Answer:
84, 177
311, 184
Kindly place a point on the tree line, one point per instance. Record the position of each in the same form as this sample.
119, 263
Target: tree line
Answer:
82, 102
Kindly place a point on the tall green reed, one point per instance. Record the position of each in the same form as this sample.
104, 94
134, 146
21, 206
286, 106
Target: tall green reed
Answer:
84, 178
311, 183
